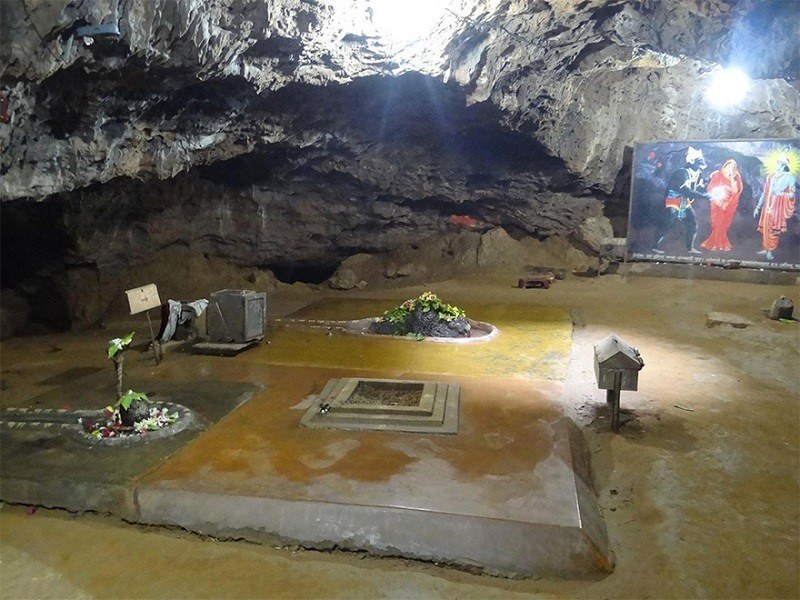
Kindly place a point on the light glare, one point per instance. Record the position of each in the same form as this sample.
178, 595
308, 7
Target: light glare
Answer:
728, 87
406, 20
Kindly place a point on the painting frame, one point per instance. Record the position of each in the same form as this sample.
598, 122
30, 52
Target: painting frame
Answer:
704, 212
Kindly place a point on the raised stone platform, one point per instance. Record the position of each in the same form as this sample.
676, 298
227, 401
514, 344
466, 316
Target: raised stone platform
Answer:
385, 405
509, 495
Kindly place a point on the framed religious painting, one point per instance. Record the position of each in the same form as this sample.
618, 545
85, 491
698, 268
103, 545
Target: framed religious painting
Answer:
718, 201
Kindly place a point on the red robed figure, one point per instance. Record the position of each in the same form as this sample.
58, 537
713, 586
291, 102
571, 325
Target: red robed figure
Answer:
725, 188
778, 199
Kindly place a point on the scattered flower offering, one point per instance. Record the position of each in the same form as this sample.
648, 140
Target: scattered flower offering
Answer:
112, 426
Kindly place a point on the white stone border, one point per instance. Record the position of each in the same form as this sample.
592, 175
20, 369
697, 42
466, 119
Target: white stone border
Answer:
487, 331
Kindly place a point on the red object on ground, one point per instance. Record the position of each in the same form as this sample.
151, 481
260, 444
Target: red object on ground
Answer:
463, 221
528, 283
31, 510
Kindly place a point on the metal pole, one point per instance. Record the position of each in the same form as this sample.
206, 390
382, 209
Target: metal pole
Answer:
615, 401
156, 346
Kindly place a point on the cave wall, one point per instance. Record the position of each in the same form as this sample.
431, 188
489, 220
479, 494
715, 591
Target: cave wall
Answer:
291, 134
400, 156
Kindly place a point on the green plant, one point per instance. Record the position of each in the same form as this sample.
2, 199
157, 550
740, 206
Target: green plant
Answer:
118, 345
116, 352
427, 302
128, 398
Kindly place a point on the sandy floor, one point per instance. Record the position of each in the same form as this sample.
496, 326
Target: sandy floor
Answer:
700, 492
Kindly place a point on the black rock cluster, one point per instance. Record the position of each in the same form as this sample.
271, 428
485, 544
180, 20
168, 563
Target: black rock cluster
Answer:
427, 324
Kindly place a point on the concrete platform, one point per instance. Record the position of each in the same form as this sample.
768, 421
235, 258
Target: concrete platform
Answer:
57, 467
533, 342
510, 494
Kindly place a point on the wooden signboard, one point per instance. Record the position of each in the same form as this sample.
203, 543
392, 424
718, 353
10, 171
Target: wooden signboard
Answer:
143, 298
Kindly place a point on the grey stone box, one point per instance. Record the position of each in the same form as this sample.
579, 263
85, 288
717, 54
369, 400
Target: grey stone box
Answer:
237, 316
616, 364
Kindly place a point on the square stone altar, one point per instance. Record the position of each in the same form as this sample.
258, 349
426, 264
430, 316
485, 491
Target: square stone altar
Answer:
386, 405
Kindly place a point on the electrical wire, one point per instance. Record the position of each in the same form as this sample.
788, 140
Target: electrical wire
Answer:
39, 35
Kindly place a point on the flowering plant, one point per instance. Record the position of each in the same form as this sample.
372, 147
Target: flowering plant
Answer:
427, 302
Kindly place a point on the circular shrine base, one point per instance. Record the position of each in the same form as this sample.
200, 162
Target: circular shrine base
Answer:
479, 332
185, 418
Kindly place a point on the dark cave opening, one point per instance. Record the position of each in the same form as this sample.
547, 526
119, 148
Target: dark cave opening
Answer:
32, 238
33, 247
307, 272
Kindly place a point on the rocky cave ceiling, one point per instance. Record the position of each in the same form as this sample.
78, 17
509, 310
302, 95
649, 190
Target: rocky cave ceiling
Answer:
286, 132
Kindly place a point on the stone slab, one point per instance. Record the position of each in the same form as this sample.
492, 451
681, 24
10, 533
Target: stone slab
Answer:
221, 348
510, 495
722, 318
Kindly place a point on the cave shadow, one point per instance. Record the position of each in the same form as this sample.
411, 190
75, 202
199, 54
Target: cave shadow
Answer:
70, 376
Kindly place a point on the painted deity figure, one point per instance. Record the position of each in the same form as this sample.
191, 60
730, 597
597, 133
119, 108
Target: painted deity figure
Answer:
684, 186
724, 190
776, 205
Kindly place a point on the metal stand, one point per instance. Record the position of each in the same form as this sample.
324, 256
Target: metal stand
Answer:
156, 345
612, 397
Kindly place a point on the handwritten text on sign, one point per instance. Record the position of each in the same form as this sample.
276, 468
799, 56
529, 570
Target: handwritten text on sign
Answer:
143, 298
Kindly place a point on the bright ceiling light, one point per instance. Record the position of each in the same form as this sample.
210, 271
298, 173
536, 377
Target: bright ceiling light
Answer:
728, 87
406, 20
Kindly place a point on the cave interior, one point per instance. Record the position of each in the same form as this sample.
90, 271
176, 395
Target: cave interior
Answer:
340, 157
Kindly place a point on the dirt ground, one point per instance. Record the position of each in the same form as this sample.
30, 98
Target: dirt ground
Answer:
700, 491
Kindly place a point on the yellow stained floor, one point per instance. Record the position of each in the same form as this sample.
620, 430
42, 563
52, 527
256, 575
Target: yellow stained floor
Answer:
534, 342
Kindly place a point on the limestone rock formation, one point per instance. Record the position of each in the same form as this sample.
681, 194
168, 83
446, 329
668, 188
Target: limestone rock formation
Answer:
343, 279
288, 135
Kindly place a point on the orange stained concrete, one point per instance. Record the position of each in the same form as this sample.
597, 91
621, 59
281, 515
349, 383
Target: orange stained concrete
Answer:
492, 467
534, 342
